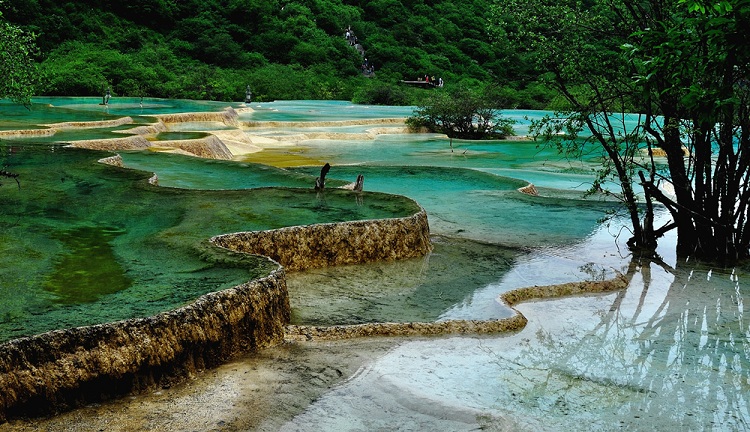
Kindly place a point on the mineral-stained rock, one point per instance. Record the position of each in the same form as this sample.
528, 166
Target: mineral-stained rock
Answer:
115, 160
210, 147
135, 142
529, 189
324, 245
228, 117
66, 368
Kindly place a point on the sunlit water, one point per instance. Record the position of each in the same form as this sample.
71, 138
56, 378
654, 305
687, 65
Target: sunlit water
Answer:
671, 352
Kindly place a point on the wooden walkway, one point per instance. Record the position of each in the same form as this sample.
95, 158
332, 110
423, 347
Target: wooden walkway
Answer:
420, 83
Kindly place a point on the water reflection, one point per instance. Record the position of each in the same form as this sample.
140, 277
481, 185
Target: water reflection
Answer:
671, 352
419, 289
673, 346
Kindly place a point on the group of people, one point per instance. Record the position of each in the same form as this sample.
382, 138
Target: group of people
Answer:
431, 80
351, 37
368, 69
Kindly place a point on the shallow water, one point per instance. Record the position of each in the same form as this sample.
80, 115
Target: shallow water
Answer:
669, 353
86, 243
310, 111
130, 106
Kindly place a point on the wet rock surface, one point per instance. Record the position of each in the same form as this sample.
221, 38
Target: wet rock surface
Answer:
61, 369
323, 245
259, 392
272, 388
210, 147
58, 370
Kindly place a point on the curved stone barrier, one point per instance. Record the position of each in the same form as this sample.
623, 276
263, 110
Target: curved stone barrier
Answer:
115, 160
228, 117
92, 124
62, 369
324, 245
510, 298
150, 129
365, 136
386, 130
28, 133
657, 152
210, 147
135, 142
67, 368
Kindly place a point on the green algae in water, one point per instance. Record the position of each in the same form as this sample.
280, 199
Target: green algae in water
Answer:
74, 221
89, 270
176, 136
670, 353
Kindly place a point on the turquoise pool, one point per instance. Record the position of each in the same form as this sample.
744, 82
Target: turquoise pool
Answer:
669, 353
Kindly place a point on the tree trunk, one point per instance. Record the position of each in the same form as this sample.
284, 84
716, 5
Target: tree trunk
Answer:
687, 239
643, 239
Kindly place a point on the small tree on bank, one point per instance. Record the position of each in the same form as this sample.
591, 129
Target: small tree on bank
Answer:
462, 113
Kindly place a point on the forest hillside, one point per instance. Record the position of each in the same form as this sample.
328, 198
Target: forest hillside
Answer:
214, 49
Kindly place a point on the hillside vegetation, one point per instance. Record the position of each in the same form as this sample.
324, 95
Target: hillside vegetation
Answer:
213, 49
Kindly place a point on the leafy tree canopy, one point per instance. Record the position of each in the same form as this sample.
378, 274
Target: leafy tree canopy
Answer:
18, 72
462, 113
683, 66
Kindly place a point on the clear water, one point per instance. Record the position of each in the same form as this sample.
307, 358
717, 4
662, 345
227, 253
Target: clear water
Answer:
130, 106
176, 136
310, 111
85, 243
669, 353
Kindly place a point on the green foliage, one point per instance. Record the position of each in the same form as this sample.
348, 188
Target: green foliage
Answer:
462, 113
683, 66
236, 39
377, 93
18, 72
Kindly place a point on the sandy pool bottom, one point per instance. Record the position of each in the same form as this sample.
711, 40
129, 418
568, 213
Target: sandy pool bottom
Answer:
558, 373
368, 384
259, 392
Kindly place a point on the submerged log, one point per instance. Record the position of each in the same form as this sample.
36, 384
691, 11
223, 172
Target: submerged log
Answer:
320, 182
356, 186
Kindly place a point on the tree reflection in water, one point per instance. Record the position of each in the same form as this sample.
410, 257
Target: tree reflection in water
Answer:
663, 353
